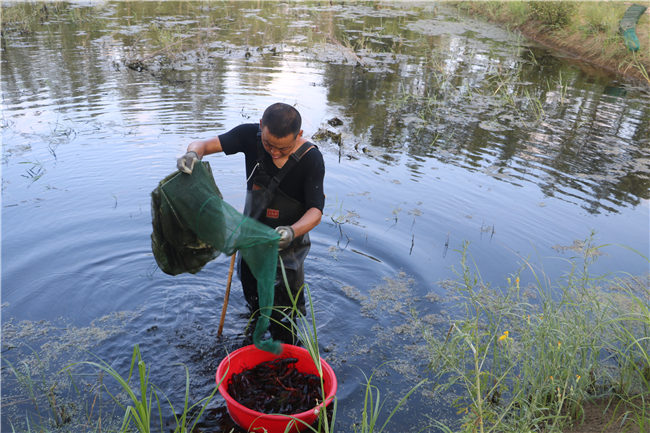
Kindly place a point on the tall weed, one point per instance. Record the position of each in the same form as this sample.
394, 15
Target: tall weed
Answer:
529, 357
556, 14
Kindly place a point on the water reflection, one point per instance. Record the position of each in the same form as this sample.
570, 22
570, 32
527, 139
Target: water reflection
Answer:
418, 84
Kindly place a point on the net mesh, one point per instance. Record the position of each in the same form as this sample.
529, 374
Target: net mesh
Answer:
628, 24
193, 225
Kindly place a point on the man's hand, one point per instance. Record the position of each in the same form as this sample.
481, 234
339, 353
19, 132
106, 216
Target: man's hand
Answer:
186, 162
286, 236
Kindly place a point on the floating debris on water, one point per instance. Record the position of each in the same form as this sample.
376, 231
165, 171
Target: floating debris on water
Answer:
325, 134
335, 121
580, 247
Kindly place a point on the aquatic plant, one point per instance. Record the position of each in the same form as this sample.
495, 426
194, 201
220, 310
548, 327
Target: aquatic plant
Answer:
562, 86
373, 407
641, 68
144, 397
308, 335
533, 356
25, 17
38, 394
35, 171
526, 355
22, 17
39, 390
166, 38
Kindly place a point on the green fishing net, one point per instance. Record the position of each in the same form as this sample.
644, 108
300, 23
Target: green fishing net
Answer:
192, 225
631, 40
627, 26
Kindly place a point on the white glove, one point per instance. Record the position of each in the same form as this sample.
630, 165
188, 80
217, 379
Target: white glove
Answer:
286, 236
186, 162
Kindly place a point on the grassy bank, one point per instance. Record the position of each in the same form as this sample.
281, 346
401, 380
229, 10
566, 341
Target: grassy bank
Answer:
588, 31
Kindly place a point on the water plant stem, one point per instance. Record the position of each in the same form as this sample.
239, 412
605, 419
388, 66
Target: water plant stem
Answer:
144, 398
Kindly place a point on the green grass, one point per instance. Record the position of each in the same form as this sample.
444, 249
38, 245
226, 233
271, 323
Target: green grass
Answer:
598, 18
144, 399
373, 408
530, 358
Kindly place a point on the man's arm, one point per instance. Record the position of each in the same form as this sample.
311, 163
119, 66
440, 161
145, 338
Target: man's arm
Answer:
205, 147
308, 221
195, 151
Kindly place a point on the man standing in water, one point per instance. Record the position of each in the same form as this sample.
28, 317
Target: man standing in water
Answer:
284, 183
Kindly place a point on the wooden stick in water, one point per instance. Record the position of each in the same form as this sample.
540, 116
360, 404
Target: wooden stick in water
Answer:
225, 298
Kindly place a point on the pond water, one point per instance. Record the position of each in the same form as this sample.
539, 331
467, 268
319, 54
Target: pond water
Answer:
452, 131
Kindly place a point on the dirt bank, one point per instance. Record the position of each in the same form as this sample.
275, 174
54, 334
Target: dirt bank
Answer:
607, 416
586, 31
590, 51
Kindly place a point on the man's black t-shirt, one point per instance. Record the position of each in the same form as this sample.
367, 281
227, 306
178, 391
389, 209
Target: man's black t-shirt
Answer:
303, 183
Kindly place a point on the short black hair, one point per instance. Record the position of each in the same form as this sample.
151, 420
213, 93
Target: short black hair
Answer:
281, 120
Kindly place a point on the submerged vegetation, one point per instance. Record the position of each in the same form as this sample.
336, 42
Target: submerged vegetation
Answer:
589, 30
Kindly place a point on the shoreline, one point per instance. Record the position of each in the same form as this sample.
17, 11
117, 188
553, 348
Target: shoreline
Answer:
628, 71
600, 47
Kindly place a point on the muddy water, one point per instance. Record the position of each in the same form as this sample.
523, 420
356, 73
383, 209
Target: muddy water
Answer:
451, 131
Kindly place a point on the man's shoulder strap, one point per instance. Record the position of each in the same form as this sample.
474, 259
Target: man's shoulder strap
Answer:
293, 160
302, 150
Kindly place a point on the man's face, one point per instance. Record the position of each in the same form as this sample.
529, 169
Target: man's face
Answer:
279, 147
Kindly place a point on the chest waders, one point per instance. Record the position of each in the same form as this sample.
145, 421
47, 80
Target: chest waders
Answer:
271, 206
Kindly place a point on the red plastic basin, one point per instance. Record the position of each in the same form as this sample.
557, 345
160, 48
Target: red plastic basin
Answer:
248, 357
